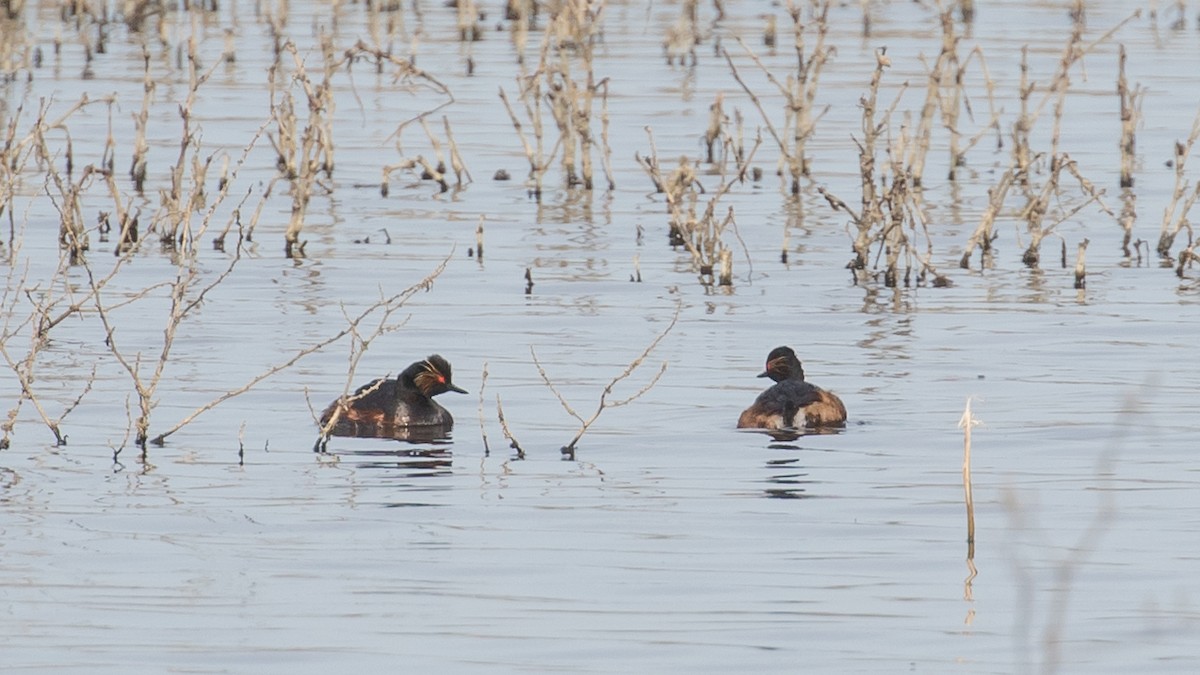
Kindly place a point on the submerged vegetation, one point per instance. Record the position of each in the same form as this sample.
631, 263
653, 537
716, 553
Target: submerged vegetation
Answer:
207, 180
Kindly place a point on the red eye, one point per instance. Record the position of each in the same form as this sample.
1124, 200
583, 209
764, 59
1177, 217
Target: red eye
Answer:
441, 379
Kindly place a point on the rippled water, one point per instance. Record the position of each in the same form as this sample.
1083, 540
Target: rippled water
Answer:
672, 542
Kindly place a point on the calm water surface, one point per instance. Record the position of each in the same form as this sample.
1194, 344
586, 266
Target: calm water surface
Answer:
672, 542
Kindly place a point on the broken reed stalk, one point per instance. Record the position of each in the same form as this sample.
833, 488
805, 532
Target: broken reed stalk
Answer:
1131, 109
431, 171
983, 236
895, 201
1175, 214
137, 165
49, 309
716, 127
539, 163
1127, 219
603, 403
799, 91
1081, 266
482, 427
343, 404
946, 66
304, 155
966, 423
891, 204
946, 92
508, 435
1073, 52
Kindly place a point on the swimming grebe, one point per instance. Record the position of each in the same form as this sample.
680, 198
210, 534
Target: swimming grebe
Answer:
389, 405
791, 402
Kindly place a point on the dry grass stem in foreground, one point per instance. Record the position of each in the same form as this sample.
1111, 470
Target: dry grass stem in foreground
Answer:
568, 450
1072, 561
187, 292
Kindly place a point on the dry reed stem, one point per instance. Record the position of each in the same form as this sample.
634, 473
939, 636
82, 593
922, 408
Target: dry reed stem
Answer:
1081, 266
179, 201
716, 127
303, 155
603, 403
23, 368
957, 101
799, 90
184, 294
1073, 52
983, 235
483, 377
1038, 205
966, 423
72, 232
141, 120
565, 81
48, 309
870, 215
1175, 214
1131, 109
701, 234
344, 402
683, 37
456, 161
508, 435
537, 162
946, 66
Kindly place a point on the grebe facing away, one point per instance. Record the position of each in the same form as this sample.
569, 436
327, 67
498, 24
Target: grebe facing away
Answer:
791, 402
383, 407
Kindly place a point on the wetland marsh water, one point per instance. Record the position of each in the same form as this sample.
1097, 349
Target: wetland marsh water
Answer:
672, 542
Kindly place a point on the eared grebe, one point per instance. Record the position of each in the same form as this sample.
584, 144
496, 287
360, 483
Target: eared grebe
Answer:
383, 407
791, 402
